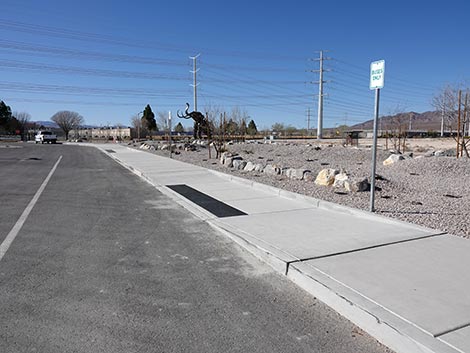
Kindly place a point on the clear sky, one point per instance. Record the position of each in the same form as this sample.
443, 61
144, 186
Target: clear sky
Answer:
107, 59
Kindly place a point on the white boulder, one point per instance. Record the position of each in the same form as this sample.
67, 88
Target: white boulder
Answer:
394, 158
326, 177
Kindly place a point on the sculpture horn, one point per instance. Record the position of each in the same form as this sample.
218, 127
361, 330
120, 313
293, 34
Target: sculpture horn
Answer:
181, 116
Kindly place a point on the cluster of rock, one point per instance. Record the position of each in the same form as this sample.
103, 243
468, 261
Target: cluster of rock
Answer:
398, 157
164, 146
154, 146
340, 179
326, 177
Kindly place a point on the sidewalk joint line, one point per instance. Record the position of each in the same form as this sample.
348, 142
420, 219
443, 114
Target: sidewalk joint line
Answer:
368, 248
438, 335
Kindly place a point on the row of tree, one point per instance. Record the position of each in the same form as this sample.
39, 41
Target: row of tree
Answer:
231, 124
17, 123
12, 123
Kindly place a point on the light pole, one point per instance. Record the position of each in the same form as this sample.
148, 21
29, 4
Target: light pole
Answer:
139, 122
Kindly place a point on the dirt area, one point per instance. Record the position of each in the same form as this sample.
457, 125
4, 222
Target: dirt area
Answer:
424, 188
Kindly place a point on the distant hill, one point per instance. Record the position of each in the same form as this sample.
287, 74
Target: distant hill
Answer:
45, 123
51, 125
427, 121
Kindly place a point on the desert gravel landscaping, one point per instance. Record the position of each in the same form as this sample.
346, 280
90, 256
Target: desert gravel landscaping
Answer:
429, 189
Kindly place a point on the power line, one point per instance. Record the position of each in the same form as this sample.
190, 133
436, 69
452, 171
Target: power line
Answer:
89, 55
57, 32
23, 65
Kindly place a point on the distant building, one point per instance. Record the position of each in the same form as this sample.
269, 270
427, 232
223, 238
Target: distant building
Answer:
104, 133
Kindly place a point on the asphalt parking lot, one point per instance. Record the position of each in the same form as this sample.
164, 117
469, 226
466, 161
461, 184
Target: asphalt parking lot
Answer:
103, 262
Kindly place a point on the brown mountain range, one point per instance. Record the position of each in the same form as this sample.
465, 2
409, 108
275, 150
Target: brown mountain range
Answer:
427, 121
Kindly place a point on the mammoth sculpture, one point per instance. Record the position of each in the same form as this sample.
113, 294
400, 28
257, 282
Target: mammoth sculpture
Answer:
201, 124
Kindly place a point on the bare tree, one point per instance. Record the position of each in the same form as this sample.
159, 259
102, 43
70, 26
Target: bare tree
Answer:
239, 117
446, 101
454, 108
215, 116
67, 121
162, 121
23, 118
396, 126
212, 113
136, 122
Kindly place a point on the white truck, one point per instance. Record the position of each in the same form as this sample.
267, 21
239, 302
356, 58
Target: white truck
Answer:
45, 137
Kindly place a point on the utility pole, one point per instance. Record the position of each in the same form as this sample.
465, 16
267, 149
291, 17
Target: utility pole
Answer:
320, 94
194, 72
320, 100
466, 110
442, 121
458, 124
465, 120
139, 124
308, 121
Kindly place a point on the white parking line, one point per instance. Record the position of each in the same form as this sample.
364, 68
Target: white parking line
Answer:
19, 223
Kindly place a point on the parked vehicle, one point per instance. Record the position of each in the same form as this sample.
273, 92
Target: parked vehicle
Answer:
45, 137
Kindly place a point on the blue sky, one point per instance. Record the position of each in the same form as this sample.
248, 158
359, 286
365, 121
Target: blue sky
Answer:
107, 59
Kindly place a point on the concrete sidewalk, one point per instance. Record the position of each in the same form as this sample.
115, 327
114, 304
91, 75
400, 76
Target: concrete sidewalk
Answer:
406, 285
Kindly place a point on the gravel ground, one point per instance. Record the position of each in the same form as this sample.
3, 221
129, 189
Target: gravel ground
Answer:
429, 191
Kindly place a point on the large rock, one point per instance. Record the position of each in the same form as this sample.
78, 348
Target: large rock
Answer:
408, 155
166, 147
229, 159
238, 163
228, 162
394, 158
259, 168
249, 167
223, 156
326, 177
308, 176
340, 180
357, 185
272, 169
429, 154
297, 174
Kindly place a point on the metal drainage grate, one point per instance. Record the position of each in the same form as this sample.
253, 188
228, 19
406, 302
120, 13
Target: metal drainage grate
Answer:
216, 207
110, 151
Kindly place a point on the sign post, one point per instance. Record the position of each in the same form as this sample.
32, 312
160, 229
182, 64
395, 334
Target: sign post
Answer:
169, 131
377, 73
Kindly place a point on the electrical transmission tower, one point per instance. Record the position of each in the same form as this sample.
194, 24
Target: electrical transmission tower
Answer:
320, 93
195, 84
308, 121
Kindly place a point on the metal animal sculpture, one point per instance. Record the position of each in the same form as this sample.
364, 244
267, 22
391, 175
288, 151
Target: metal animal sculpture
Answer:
201, 124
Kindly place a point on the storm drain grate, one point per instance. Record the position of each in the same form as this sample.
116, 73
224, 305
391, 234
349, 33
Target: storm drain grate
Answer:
110, 151
216, 207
